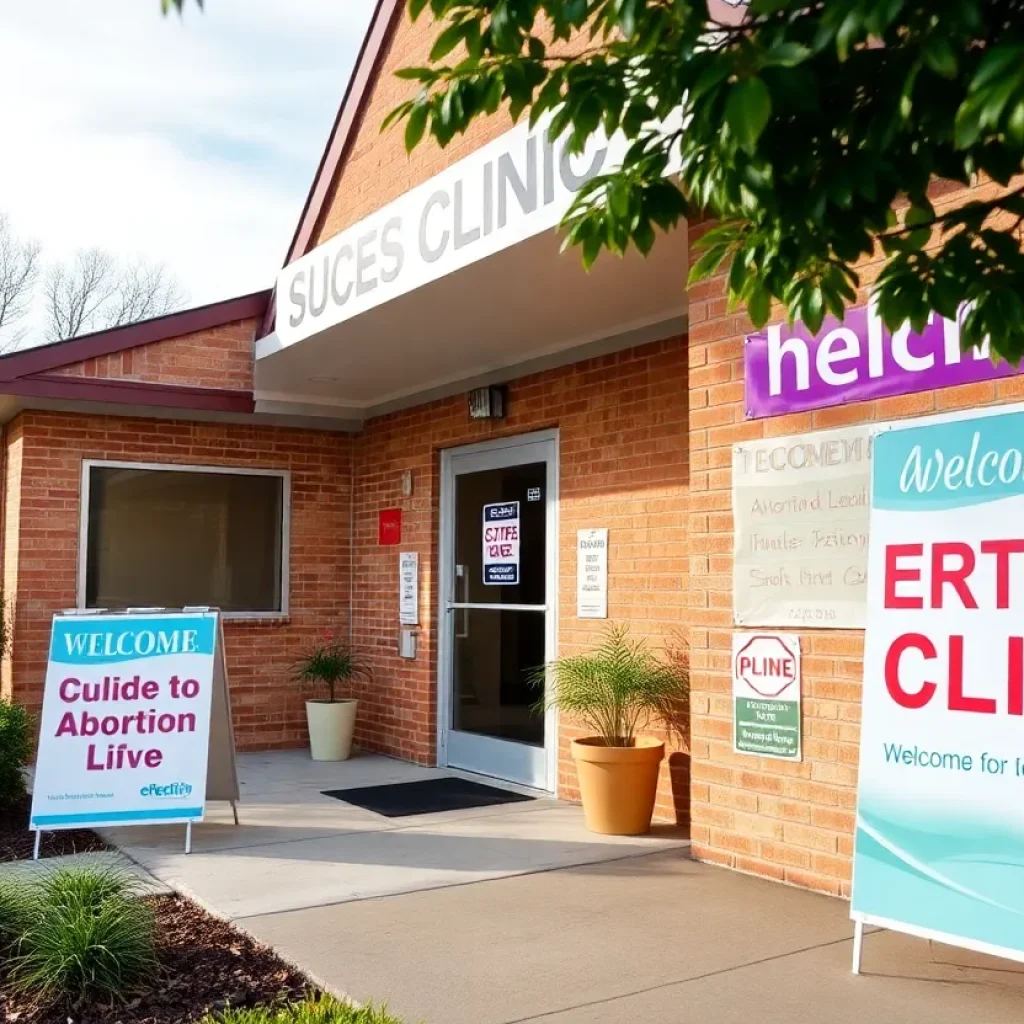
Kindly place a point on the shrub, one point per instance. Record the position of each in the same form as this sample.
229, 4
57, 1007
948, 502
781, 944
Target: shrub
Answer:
15, 747
87, 934
15, 912
311, 1011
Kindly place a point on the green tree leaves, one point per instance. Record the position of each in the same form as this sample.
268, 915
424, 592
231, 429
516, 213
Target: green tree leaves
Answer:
995, 97
805, 129
747, 111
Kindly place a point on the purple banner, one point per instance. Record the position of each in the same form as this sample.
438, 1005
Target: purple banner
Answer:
854, 360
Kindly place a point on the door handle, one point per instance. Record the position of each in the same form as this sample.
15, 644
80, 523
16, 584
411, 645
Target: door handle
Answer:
461, 576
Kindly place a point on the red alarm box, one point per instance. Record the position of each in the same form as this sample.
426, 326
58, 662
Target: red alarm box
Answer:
389, 526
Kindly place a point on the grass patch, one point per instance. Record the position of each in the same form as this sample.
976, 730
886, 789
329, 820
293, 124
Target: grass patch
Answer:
79, 933
324, 1010
15, 912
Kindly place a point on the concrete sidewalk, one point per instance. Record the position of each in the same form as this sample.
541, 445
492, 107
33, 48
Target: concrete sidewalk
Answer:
296, 848
658, 938
503, 915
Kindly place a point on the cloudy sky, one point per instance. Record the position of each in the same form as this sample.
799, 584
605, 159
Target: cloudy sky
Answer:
188, 141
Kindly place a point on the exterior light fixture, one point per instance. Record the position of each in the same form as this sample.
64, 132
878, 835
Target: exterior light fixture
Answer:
488, 403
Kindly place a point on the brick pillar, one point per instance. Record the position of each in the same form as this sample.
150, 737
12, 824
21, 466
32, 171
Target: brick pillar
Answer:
792, 822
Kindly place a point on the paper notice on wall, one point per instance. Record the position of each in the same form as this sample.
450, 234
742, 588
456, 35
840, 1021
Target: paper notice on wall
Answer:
800, 512
409, 588
501, 543
592, 574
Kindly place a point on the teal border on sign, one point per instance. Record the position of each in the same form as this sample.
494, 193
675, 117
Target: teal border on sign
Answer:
956, 464
49, 821
67, 648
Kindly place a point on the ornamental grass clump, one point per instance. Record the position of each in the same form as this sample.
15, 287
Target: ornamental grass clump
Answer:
616, 689
329, 663
84, 933
15, 913
324, 1010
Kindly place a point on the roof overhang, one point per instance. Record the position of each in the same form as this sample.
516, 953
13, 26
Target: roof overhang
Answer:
462, 280
30, 378
42, 359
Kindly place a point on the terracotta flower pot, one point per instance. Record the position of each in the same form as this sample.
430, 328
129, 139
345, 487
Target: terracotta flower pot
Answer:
330, 729
618, 784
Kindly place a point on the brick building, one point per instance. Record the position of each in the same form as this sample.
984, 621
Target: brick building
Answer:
307, 422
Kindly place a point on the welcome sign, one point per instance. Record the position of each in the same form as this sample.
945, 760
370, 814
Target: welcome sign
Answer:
788, 369
126, 720
940, 829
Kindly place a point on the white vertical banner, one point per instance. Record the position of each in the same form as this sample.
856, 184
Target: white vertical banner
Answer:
939, 848
592, 574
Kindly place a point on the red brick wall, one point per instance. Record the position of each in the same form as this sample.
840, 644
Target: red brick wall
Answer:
378, 169
791, 822
220, 357
623, 460
41, 545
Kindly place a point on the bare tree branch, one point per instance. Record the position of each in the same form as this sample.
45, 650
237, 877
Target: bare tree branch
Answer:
19, 268
143, 291
75, 294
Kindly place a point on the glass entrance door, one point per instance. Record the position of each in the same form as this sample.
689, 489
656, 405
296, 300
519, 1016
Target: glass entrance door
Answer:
498, 550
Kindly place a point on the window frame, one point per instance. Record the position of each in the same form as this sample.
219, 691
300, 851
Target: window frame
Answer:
283, 475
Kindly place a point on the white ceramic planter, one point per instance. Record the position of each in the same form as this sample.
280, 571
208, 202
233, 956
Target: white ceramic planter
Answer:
330, 729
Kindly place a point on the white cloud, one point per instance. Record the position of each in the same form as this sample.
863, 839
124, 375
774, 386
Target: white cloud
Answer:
190, 141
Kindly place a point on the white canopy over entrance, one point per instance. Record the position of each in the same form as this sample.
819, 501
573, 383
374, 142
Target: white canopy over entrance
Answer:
460, 282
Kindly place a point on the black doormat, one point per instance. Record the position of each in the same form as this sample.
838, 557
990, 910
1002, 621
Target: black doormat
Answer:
403, 799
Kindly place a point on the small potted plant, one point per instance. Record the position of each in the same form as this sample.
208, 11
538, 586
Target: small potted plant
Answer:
616, 690
329, 663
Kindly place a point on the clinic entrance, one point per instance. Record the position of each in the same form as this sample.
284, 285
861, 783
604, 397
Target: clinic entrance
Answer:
498, 586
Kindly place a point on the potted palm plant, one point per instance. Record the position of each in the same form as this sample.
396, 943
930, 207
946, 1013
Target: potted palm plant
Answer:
329, 664
616, 690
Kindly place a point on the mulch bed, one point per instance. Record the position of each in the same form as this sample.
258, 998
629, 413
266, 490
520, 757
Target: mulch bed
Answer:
205, 966
16, 842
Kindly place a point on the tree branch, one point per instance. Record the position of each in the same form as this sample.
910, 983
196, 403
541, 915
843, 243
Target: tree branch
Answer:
989, 207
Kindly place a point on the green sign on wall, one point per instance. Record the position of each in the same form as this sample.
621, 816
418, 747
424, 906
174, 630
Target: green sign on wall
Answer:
766, 694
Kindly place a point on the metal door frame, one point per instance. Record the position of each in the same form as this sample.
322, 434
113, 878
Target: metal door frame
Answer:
496, 454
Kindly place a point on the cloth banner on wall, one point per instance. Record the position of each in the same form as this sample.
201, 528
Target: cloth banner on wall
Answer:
800, 511
939, 848
136, 724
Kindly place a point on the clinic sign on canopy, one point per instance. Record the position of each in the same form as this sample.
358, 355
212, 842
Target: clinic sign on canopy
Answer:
510, 190
520, 184
939, 848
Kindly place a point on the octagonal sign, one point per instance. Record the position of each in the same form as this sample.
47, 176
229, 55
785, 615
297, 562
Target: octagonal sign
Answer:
768, 664
766, 694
